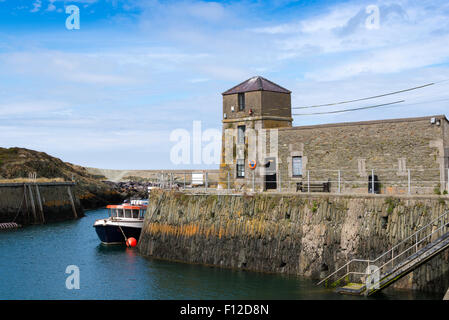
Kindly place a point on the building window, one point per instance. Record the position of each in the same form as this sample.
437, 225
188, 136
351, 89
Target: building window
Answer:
240, 168
241, 134
297, 166
241, 97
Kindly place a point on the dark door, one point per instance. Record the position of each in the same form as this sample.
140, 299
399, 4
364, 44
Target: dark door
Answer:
270, 173
376, 184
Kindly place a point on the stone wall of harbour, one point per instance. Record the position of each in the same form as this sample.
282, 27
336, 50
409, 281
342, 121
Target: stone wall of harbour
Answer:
36, 203
306, 235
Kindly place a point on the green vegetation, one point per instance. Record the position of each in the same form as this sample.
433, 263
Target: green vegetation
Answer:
272, 205
315, 206
211, 199
437, 190
392, 203
7, 154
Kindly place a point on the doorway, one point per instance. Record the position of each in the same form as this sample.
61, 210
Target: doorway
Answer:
270, 177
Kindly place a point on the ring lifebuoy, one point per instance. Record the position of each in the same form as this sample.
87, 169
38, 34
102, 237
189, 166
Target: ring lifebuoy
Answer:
252, 164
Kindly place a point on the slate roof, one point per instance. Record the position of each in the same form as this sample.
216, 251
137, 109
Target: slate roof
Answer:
257, 83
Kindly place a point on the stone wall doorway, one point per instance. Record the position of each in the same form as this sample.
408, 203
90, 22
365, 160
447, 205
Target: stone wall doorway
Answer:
270, 178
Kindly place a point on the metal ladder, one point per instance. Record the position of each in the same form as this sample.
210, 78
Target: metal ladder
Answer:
366, 277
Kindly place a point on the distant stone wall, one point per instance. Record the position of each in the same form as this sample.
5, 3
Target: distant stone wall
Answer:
38, 203
122, 175
306, 235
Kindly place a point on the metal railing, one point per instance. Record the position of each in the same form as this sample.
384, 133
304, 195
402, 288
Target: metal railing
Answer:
389, 181
392, 257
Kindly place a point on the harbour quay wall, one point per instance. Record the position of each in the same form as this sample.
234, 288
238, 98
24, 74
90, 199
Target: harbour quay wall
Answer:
307, 235
36, 203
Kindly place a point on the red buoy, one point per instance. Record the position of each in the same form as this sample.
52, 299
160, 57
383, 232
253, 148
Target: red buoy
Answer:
131, 242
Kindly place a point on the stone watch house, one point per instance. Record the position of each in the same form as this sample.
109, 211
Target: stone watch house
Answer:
345, 152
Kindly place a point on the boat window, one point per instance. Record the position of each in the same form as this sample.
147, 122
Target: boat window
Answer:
142, 213
135, 213
127, 213
119, 212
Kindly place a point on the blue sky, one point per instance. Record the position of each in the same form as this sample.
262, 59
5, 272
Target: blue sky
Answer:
109, 94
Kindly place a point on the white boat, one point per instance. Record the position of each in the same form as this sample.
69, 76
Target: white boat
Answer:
124, 221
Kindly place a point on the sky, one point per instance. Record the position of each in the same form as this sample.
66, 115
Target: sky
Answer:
110, 94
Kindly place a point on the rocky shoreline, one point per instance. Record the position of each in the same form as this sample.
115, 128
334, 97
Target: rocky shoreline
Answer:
115, 193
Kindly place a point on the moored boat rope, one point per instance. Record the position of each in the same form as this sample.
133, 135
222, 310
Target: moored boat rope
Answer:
20, 207
9, 225
126, 240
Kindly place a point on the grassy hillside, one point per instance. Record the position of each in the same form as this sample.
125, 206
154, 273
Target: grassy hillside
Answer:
17, 163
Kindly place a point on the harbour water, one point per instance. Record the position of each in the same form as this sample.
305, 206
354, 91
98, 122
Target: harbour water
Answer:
33, 263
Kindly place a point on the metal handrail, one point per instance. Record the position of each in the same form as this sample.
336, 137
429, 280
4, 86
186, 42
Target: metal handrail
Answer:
388, 251
389, 261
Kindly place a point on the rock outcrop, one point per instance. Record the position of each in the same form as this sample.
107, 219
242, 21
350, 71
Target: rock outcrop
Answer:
17, 163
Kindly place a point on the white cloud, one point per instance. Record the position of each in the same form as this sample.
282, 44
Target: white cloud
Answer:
388, 60
51, 6
29, 108
411, 35
36, 6
198, 80
212, 11
72, 67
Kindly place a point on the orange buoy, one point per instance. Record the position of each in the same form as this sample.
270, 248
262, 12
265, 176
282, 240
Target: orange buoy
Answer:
131, 242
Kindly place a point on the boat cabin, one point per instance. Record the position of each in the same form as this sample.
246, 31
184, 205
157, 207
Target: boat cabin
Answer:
126, 211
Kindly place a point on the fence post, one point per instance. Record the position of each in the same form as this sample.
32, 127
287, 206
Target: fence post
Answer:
279, 180
372, 181
229, 182
184, 180
392, 257
254, 177
339, 181
416, 245
409, 183
206, 182
308, 180
447, 181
